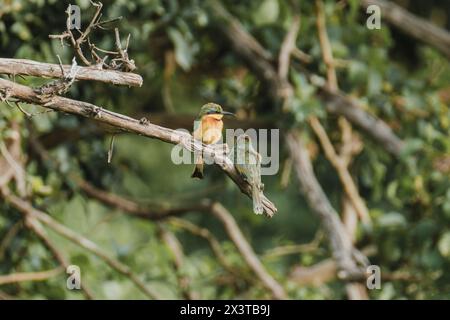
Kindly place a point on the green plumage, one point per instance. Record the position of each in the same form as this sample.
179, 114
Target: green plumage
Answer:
248, 164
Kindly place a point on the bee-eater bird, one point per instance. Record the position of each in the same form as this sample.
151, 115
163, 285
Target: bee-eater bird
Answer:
248, 164
208, 128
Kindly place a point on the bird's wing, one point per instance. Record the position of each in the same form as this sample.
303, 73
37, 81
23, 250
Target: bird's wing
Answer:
254, 167
240, 161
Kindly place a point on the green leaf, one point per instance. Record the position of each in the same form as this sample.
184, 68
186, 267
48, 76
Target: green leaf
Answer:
392, 220
184, 52
21, 30
444, 245
267, 12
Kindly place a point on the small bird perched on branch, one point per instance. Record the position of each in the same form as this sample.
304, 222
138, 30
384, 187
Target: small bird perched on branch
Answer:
248, 164
208, 128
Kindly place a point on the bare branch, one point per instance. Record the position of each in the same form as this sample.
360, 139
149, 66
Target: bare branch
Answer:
315, 275
344, 252
208, 236
322, 272
129, 124
327, 53
346, 179
357, 291
132, 207
301, 56
9, 236
236, 29
217, 210
111, 148
125, 64
3, 295
287, 47
350, 108
30, 276
60, 86
38, 69
338, 161
248, 48
14, 162
235, 234
346, 256
95, 19
416, 27
313, 246
7, 172
178, 260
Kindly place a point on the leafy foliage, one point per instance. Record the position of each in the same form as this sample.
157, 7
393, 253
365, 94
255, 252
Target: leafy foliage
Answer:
185, 63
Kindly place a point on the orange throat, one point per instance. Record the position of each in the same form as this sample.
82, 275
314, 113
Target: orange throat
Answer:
211, 128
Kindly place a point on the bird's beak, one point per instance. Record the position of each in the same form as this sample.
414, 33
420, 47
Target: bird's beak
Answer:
226, 113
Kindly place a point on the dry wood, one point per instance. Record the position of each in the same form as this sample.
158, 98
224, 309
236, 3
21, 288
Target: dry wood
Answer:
30, 276
346, 256
26, 67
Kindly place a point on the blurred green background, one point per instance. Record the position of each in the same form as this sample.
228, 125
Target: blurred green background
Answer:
185, 62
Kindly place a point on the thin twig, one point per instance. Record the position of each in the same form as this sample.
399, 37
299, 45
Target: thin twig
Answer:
339, 162
18, 169
286, 173
30, 276
132, 207
9, 236
287, 47
208, 236
326, 46
27, 114
347, 181
126, 64
296, 248
301, 56
348, 258
59, 256
216, 209
111, 148
13, 146
250, 257
176, 249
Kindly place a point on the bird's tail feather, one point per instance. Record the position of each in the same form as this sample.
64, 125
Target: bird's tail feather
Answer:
198, 171
257, 202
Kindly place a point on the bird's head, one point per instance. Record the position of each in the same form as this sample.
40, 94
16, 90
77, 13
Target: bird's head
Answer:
213, 109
